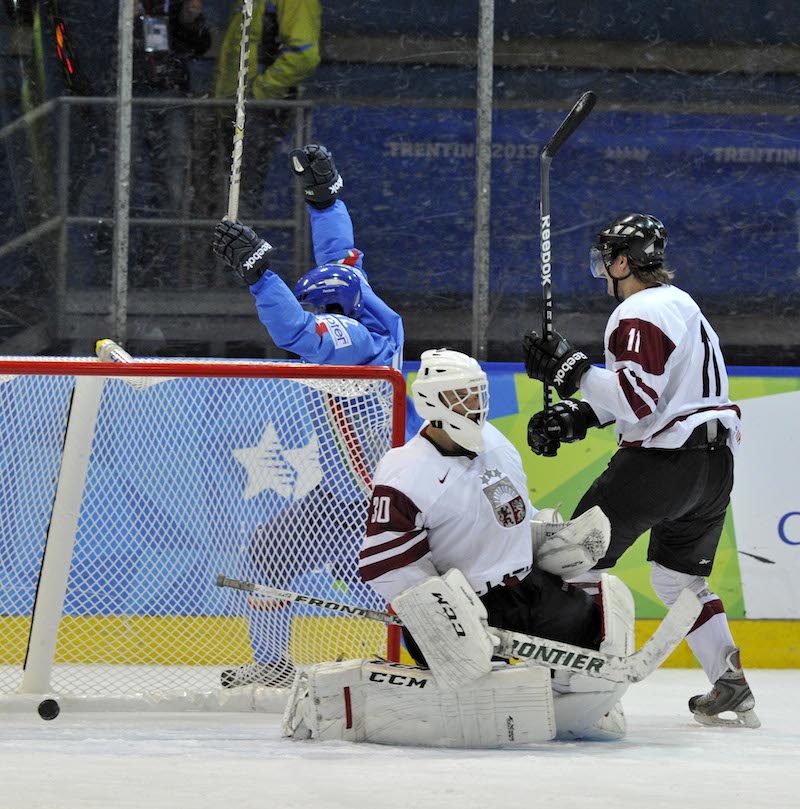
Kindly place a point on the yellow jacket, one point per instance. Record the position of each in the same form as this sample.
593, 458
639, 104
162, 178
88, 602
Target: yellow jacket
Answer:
298, 57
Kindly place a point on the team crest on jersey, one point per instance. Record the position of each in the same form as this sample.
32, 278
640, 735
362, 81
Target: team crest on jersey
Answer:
507, 503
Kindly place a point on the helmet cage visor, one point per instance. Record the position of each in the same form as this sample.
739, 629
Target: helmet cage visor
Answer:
599, 261
451, 391
471, 402
462, 413
459, 406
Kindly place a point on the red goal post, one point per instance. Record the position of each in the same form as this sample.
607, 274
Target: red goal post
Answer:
127, 488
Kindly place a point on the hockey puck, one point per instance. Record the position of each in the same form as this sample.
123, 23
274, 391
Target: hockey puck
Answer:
48, 709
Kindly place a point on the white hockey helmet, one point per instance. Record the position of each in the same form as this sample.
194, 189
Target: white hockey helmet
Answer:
452, 392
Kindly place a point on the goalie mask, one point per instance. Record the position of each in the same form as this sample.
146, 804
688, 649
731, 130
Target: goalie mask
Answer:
330, 289
452, 392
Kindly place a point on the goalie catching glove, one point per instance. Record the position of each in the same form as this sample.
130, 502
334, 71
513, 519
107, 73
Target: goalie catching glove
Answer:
554, 361
242, 250
569, 548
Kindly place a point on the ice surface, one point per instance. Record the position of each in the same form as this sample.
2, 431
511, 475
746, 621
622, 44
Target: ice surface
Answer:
220, 761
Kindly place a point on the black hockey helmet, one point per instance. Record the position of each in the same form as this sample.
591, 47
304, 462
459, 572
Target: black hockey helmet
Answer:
641, 237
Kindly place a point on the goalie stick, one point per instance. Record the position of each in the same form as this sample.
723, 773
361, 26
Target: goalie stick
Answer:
553, 654
284, 597
575, 118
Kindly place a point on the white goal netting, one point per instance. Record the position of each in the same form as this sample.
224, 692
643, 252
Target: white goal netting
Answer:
124, 495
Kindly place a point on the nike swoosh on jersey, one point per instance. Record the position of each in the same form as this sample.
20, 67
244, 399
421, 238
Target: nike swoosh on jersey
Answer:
442, 480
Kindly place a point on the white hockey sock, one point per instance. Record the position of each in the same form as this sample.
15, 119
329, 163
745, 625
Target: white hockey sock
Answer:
712, 640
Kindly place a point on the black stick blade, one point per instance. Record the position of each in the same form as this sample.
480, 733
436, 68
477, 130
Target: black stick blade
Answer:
575, 118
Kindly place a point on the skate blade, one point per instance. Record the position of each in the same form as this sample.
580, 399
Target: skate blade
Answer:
744, 719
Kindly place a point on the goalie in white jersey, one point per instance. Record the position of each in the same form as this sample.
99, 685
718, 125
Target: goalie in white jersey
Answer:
665, 387
450, 543
456, 496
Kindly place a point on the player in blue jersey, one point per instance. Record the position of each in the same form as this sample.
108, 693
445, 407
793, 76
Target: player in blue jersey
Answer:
334, 317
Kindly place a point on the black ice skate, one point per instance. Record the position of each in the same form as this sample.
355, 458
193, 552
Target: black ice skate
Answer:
730, 693
274, 675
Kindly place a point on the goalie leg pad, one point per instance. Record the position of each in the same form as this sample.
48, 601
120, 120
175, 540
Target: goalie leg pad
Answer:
590, 714
569, 548
323, 701
389, 703
618, 636
448, 622
619, 616
588, 708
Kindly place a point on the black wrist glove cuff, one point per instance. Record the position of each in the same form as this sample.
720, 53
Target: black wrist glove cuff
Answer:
589, 414
257, 264
568, 372
324, 195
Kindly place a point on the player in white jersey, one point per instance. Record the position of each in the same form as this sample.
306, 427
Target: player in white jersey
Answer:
451, 544
665, 387
456, 496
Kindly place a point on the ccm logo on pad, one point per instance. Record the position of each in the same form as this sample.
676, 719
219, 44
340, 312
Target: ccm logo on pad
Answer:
396, 679
450, 614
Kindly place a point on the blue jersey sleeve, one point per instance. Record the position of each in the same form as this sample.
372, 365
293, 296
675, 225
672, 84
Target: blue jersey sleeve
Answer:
333, 238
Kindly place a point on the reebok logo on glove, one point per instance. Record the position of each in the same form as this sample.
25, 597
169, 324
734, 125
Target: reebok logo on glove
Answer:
567, 365
263, 249
332, 189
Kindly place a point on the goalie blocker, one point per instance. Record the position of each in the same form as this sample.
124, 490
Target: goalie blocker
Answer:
463, 699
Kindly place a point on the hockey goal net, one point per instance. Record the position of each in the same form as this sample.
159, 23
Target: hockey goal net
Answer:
126, 489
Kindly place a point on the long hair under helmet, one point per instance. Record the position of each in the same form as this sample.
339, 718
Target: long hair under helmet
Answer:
448, 379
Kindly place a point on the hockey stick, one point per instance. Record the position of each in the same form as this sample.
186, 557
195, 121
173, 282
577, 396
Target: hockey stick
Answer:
286, 596
238, 132
631, 668
575, 118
